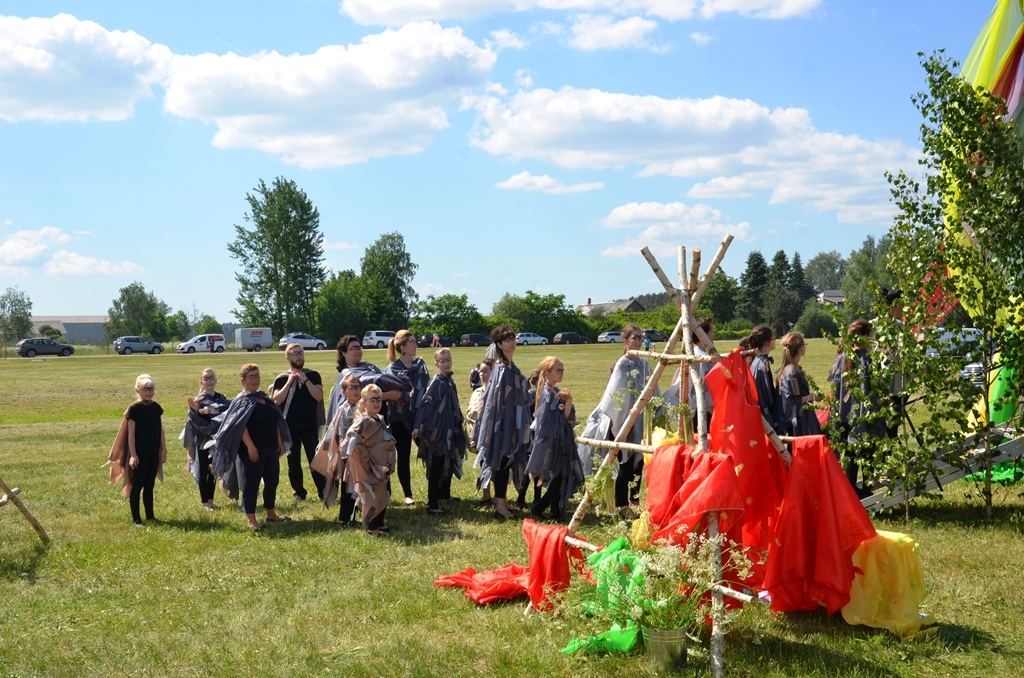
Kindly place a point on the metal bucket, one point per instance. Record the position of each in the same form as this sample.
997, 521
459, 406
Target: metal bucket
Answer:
666, 648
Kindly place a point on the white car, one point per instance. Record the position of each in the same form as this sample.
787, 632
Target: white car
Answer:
377, 338
609, 338
213, 343
303, 340
529, 338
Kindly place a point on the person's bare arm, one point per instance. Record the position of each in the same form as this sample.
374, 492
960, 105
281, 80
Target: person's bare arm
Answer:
133, 457
254, 454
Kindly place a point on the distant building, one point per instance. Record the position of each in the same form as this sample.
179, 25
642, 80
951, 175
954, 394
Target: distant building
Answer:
629, 305
76, 329
832, 298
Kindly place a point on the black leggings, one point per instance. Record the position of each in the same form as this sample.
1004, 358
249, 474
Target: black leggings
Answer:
207, 481
143, 482
267, 468
403, 447
499, 476
627, 485
552, 498
435, 481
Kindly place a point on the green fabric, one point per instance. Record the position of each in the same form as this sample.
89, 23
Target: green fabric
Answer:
615, 639
1006, 473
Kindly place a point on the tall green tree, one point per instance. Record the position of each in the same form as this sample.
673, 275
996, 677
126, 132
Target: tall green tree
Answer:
449, 314
544, 314
779, 272
866, 270
959, 235
798, 279
137, 311
782, 308
340, 307
753, 283
825, 271
281, 258
719, 300
15, 315
387, 272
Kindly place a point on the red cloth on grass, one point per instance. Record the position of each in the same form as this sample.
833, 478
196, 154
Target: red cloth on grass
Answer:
549, 561
820, 525
505, 583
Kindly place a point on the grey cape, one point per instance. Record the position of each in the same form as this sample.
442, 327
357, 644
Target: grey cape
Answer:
553, 457
442, 437
201, 427
229, 438
502, 434
367, 373
624, 386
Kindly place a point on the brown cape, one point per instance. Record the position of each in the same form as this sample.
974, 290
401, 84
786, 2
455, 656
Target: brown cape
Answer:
118, 459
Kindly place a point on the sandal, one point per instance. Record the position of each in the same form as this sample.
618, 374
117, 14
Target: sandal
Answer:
436, 511
279, 519
376, 533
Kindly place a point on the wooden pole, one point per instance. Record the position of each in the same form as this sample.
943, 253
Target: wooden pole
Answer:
717, 607
670, 290
612, 445
13, 497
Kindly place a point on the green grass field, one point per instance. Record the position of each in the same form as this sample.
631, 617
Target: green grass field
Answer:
199, 595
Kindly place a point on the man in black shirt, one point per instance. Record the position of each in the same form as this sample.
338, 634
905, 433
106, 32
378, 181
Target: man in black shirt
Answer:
300, 395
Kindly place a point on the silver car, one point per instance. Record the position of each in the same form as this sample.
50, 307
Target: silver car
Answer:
303, 340
530, 339
609, 338
129, 345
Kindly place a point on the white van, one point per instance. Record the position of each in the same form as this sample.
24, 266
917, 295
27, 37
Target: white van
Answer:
213, 343
377, 338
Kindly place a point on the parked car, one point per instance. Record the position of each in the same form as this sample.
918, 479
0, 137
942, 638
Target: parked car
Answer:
530, 339
609, 338
427, 340
213, 343
655, 335
957, 343
303, 340
30, 348
474, 340
129, 345
569, 338
377, 338
974, 373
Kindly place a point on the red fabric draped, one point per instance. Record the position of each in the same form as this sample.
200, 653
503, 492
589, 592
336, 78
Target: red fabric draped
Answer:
820, 525
549, 561
737, 431
697, 485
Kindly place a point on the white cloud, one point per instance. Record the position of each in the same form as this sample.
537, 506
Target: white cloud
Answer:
427, 289
496, 88
700, 38
398, 12
25, 246
524, 181
523, 78
506, 39
7, 222
602, 32
384, 96
464, 274
662, 226
70, 263
731, 148
341, 246
61, 68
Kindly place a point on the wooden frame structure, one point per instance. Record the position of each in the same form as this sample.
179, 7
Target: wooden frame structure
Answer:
7, 494
686, 297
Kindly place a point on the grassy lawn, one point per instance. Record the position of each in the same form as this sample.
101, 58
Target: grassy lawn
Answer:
200, 595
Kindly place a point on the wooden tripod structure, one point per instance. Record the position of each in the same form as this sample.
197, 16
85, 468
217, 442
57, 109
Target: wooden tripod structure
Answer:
686, 297
11, 495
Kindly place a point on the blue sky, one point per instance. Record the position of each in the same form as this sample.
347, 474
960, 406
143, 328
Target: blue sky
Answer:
516, 144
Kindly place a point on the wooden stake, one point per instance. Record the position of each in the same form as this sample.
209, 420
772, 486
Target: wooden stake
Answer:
717, 607
672, 292
13, 497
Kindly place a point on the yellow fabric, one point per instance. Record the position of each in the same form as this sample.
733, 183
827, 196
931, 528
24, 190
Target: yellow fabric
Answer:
993, 46
888, 588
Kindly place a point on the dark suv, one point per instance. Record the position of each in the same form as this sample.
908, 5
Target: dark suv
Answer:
569, 338
30, 348
474, 340
655, 335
